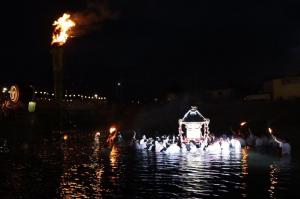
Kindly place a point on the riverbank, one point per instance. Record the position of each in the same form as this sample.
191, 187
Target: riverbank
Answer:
157, 118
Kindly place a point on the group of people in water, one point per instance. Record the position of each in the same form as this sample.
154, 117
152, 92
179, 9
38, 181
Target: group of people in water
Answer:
211, 143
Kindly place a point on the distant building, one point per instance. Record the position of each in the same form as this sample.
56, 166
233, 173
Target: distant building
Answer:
216, 94
258, 97
283, 88
171, 97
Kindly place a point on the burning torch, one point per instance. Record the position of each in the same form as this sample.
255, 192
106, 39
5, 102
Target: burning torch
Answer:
243, 123
62, 31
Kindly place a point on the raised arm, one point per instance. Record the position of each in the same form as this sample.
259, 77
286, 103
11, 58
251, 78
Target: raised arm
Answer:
274, 138
250, 132
134, 135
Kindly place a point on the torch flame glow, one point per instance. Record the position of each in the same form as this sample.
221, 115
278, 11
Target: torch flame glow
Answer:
112, 129
65, 137
270, 130
62, 28
243, 123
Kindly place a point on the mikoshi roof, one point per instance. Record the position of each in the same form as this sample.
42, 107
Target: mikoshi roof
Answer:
193, 115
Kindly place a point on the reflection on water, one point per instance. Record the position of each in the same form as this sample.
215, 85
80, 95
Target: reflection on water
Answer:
279, 176
84, 167
274, 169
244, 172
113, 156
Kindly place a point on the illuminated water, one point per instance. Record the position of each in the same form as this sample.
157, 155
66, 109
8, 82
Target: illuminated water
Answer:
82, 168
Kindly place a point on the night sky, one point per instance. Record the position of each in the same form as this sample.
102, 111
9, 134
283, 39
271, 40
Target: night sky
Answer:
153, 46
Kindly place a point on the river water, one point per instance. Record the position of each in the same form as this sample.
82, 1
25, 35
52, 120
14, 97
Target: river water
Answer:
81, 167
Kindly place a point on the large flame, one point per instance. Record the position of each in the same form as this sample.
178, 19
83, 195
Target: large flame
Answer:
62, 29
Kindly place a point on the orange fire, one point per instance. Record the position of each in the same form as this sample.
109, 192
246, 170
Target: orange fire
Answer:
62, 28
112, 129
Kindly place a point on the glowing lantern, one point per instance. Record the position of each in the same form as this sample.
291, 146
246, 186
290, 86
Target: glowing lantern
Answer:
14, 93
31, 106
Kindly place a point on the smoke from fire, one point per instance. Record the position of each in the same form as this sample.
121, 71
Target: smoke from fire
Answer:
92, 18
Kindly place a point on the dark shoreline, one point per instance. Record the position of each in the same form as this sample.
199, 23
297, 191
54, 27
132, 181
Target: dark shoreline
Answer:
154, 118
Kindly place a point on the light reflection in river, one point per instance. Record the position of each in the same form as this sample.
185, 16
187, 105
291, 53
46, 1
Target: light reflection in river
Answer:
90, 169
274, 169
116, 171
113, 156
244, 172
280, 176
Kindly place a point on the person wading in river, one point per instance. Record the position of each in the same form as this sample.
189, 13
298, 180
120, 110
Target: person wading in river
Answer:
283, 144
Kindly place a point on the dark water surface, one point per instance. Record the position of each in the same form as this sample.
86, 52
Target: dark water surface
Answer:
81, 167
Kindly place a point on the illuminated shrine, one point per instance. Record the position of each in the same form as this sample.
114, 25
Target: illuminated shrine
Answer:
193, 125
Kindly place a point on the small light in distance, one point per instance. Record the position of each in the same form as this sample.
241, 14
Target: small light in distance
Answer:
97, 134
65, 137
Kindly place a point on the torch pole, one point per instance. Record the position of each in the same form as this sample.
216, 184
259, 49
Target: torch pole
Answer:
57, 63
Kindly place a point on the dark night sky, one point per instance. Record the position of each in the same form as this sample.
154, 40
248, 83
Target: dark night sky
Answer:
153, 46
